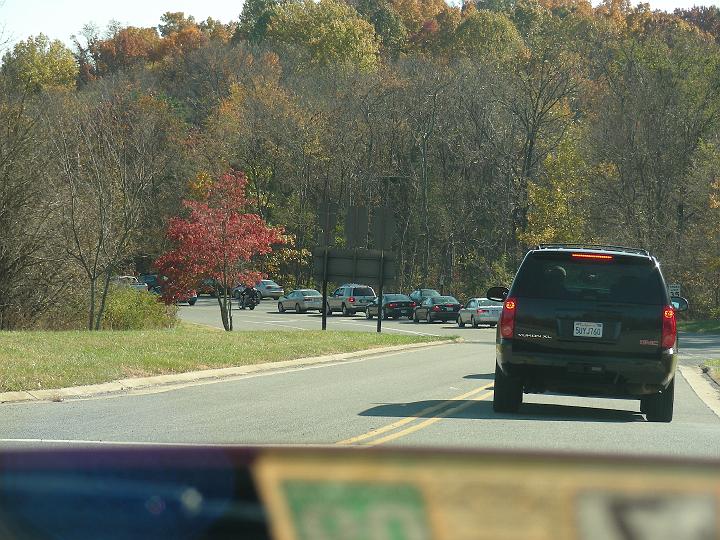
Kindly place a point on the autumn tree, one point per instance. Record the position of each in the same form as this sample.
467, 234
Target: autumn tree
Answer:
218, 240
485, 33
327, 33
106, 154
40, 64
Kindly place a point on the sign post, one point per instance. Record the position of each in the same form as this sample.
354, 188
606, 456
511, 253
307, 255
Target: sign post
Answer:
328, 217
380, 291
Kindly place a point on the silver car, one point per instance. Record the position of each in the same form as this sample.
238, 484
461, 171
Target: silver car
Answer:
350, 298
301, 300
479, 311
269, 289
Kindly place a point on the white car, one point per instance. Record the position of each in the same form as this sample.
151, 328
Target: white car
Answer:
269, 289
479, 311
129, 281
266, 288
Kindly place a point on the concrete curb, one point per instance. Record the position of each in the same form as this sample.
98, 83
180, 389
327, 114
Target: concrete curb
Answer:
709, 374
702, 387
199, 377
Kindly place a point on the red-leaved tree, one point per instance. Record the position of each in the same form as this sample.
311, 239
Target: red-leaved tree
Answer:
217, 241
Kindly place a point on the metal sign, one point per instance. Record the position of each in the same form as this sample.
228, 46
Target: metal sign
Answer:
327, 219
383, 228
354, 265
674, 289
356, 226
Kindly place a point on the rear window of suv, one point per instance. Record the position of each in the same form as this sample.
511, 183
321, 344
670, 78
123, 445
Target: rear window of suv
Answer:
363, 291
634, 280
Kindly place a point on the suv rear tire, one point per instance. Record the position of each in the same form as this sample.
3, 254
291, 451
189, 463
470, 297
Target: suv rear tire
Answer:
659, 407
508, 392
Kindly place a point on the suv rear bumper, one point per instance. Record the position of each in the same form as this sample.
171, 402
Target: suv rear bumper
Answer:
579, 374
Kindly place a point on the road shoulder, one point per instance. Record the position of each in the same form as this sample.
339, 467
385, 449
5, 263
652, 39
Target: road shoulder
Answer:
703, 387
192, 378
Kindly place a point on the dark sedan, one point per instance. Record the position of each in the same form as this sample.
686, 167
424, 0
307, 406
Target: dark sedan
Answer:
394, 306
437, 308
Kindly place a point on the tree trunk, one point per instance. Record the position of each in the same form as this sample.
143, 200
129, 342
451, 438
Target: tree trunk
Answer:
91, 314
222, 302
101, 309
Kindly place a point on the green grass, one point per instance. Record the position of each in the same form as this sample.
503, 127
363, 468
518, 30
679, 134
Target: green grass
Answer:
709, 326
45, 360
714, 366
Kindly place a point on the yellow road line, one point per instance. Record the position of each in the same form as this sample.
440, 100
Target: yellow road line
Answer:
428, 422
404, 421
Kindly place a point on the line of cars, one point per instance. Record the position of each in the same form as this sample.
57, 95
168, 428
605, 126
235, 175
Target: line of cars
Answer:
426, 305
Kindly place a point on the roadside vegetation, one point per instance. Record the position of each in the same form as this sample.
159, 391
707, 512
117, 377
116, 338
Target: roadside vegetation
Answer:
46, 360
714, 367
128, 309
705, 326
487, 126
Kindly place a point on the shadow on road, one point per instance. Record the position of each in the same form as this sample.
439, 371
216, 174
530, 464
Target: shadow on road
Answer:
482, 410
480, 376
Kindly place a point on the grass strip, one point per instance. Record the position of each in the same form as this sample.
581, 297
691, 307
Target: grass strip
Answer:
44, 360
714, 367
708, 326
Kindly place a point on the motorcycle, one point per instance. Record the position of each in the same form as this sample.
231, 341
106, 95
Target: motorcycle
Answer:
249, 301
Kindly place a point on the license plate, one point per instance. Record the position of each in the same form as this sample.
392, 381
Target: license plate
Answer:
588, 329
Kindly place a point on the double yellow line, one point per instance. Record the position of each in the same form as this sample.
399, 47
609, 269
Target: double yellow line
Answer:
432, 414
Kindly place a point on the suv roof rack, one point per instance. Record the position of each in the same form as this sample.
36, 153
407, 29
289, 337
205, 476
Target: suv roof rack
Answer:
603, 247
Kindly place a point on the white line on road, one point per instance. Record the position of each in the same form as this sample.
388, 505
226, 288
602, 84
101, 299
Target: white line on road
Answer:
390, 328
276, 324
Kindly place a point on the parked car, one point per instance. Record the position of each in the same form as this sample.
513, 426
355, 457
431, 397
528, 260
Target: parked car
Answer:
437, 308
155, 283
266, 288
150, 280
394, 306
479, 311
419, 295
209, 286
129, 281
588, 321
301, 300
269, 289
350, 298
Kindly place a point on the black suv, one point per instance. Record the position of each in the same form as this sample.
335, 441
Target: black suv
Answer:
588, 320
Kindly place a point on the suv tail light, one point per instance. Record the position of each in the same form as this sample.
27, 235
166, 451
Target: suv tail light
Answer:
436, 308
392, 305
669, 328
413, 304
507, 319
351, 299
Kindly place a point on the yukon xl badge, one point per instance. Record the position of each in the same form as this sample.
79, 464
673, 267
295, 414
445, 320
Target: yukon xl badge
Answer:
649, 342
535, 336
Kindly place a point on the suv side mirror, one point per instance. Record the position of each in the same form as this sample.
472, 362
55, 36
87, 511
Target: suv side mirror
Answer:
679, 303
498, 294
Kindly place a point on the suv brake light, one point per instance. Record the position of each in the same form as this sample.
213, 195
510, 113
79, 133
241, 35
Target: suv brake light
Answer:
413, 304
507, 319
593, 256
436, 308
392, 305
669, 328
351, 299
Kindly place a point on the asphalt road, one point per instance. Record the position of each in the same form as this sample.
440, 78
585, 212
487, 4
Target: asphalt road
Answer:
694, 348
435, 397
266, 317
